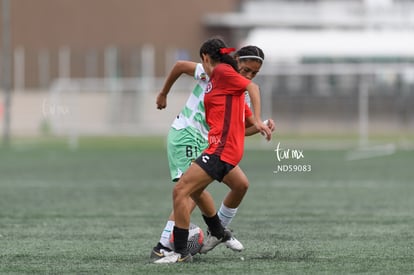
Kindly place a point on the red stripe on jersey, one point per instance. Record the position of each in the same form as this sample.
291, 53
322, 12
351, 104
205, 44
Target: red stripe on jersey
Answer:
226, 125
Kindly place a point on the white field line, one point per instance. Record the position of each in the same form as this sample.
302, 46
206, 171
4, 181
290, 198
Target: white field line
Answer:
371, 152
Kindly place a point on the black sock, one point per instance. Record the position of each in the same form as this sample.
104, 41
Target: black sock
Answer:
214, 225
180, 240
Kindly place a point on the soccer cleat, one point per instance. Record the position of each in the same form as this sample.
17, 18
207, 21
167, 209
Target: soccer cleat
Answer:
211, 241
159, 252
233, 243
173, 257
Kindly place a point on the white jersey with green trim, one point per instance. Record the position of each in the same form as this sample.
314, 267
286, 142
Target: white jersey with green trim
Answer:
193, 113
247, 99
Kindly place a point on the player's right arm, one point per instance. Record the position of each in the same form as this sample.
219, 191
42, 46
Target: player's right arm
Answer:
180, 67
254, 93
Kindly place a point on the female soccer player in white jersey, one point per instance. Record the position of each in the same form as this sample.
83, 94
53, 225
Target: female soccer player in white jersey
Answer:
187, 137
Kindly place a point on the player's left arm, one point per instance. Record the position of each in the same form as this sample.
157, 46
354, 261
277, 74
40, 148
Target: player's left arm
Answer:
251, 128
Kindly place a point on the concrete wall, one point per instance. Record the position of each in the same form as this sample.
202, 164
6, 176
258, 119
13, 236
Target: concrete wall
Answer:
84, 25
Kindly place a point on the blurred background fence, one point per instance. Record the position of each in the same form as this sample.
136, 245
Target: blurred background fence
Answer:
325, 98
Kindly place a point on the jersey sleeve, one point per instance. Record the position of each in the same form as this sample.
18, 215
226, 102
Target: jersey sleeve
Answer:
234, 82
199, 73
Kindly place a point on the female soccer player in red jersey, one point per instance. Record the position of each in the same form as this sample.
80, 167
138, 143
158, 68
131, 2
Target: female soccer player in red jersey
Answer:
225, 110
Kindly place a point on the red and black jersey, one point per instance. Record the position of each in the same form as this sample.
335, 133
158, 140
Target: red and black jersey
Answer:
225, 113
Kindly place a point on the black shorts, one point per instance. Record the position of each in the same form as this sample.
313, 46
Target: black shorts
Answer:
214, 166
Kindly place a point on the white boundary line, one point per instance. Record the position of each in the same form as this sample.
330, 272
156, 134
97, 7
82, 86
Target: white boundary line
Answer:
373, 151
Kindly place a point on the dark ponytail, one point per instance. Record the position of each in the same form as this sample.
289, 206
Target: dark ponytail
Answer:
213, 47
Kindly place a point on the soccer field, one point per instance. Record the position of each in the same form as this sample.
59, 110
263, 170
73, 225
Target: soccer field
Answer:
101, 209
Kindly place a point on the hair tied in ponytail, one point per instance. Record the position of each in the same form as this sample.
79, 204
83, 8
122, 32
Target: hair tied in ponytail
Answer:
227, 50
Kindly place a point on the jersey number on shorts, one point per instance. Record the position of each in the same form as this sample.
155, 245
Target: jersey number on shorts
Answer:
190, 152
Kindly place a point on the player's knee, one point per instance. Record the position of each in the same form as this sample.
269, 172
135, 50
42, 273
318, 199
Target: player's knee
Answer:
178, 192
243, 186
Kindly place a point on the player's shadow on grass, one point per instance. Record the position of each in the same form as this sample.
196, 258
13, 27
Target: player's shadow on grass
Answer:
299, 256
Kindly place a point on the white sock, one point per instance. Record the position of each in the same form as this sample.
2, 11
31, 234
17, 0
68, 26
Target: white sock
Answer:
166, 234
226, 214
